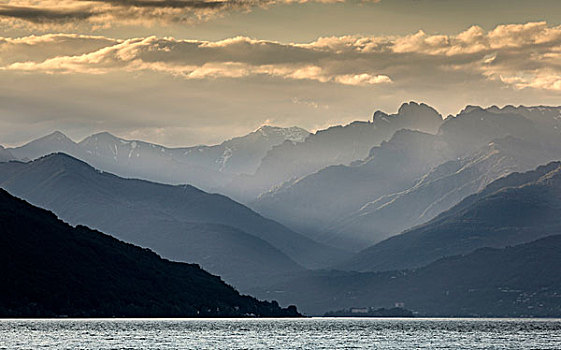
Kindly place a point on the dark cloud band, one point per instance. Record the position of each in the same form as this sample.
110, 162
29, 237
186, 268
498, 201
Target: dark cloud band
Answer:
40, 15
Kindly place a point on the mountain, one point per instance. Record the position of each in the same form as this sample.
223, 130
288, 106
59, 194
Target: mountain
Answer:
518, 281
518, 208
240, 155
314, 203
474, 127
333, 146
320, 204
178, 222
49, 268
143, 160
243, 155
52, 143
203, 166
5, 155
441, 188
548, 116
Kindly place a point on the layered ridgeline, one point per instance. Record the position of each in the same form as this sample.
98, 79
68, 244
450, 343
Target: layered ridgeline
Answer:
414, 176
440, 189
519, 281
402, 182
181, 223
518, 208
313, 204
496, 253
207, 167
333, 146
49, 268
5, 155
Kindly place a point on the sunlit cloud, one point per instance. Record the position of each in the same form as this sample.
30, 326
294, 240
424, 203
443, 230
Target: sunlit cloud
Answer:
232, 58
519, 56
52, 15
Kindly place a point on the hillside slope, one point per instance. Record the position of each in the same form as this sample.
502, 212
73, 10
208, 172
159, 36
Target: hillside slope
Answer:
49, 269
516, 209
518, 281
235, 241
441, 188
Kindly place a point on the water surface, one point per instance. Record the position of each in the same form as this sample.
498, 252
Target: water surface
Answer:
311, 333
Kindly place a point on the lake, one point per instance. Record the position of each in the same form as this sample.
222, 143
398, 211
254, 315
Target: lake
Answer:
305, 333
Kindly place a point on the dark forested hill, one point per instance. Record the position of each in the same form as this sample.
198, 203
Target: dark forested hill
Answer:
48, 268
179, 222
518, 281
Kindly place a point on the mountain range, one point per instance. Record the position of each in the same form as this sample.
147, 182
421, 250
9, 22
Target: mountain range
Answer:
493, 254
334, 204
337, 145
313, 203
413, 204
179, 222
441, 188
206, 167
518, 208
49, 268
517, 281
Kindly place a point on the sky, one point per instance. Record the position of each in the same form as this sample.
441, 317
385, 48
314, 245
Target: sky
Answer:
187, 72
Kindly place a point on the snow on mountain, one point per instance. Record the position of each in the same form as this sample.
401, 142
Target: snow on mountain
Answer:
333, 146
207, 167
52, 143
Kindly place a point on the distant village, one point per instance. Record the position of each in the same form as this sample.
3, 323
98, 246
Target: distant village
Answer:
397, 311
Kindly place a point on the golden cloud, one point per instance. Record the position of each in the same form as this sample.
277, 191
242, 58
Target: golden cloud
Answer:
520, 56
54, 14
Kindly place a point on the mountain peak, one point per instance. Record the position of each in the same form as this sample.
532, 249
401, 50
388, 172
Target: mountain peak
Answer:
51, 143
63, 160
56, 136
414, 107
379, 115
103, 135
293, 133
408, 106
470, 108
411, 115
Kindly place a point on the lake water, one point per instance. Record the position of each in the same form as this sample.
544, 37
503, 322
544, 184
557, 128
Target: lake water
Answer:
312, 333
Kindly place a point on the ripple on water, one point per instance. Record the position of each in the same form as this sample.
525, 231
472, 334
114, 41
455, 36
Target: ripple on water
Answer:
314, 333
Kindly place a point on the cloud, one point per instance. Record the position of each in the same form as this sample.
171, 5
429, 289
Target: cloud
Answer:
519, 56
40, 48
43, 15
53, 14
232, 58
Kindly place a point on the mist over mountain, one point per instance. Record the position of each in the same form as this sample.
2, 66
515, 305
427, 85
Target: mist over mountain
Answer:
312, 203
207, 167
405, 191
333, 146
52, 143
518, 208
388, 172
323, 204
50, 269
402, 180
518, 281
441, 188
178, 222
